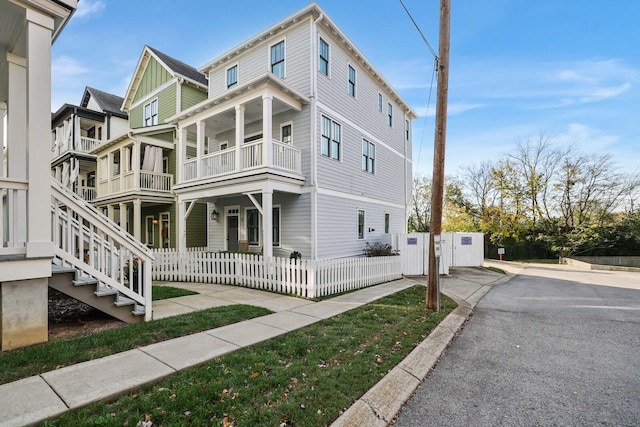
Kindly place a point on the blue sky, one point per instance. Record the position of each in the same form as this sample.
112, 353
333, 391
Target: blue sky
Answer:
568, 69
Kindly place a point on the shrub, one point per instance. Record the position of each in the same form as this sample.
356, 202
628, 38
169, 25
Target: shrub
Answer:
380, 249
295, 255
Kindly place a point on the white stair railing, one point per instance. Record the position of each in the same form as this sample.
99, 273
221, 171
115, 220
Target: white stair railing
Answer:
90, 242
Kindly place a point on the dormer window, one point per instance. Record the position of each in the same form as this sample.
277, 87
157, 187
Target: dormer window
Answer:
151, 113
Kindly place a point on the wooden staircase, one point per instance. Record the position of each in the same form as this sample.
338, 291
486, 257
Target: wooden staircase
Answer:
88, 290
91, 255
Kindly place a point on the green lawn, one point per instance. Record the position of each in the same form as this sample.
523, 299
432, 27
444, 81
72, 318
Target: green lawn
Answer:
34, 360
164, 292
304, 378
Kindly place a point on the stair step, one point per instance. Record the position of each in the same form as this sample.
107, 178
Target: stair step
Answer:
122, 301
82, 281
139, 310
61, 269
104, 291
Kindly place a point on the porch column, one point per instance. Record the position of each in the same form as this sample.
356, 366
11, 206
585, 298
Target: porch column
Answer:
181, 225
239, 136
181, 155
3, 111
124, 217
135, 164
110, 174
267, 223
17, 144
111, 212
200, 130
267, 127
76, 143
137, 219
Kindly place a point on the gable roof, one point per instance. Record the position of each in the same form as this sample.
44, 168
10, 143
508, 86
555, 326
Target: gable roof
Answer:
176, 68
108, 102
320, 18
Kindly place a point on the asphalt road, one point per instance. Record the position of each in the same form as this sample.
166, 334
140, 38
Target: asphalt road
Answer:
553, 346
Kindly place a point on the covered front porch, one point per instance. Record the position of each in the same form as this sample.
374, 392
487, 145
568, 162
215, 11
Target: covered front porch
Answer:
246, 216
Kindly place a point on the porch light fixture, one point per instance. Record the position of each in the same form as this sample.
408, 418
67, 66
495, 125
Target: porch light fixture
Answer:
214, 215
155, 221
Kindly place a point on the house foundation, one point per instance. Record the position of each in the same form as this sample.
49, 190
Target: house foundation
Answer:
23, 313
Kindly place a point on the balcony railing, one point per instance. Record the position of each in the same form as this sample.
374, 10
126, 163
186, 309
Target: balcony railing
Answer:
13, 216
285, 157
85, 145
149, 181
87, 193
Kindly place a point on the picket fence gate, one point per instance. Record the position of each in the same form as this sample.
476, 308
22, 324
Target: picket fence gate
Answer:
304, 278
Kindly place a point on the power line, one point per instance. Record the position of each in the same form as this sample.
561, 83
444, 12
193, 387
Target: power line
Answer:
426, 114
433, 52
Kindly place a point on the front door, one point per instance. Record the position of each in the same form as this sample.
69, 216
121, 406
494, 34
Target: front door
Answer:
232, 233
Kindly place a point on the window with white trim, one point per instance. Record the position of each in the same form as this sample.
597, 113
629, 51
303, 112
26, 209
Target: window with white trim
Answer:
380, 102
151, 113
330, 138
286, 135
253, 226
352, 81
277, 59
360, 224
368, 156
149, 230
390, 114
232, 76
323, 62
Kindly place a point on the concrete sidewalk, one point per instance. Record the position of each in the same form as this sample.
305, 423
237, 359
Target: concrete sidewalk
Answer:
52, 393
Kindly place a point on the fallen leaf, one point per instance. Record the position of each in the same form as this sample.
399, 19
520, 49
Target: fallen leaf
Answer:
255, 374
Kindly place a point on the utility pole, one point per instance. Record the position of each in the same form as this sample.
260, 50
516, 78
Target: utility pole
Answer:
437, 183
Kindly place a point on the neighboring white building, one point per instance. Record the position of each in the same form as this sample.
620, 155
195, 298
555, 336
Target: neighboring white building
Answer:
27, 29
334, 170
76, 130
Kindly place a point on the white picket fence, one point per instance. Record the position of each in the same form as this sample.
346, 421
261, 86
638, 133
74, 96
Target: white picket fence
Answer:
304, 278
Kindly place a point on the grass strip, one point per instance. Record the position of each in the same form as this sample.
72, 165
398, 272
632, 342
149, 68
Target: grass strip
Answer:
304, 378
34, 360
160, 292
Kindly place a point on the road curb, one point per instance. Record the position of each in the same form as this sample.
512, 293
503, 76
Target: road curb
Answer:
380, 405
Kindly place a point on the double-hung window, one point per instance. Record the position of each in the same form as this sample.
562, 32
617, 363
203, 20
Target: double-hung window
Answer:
277, 59
390, 114
352, 81
360, 224
151, 113
368, 156
323, 64
285, 133
253, 226
232, 76
330, 138
380, 102
406, 129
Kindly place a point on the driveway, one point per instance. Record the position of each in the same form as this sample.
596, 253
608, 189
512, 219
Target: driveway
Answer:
553, 346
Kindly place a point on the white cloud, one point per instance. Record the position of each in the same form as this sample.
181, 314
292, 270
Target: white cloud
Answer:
89, 7
66, 66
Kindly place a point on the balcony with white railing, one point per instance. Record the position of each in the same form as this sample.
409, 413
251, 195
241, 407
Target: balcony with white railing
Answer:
87, 193
285, 157
126, 182
84, 145
13, 218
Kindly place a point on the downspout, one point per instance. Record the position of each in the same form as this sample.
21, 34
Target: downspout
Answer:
109, 115
314, 138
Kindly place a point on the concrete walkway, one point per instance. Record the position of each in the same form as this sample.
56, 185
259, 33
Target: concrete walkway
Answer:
50, 394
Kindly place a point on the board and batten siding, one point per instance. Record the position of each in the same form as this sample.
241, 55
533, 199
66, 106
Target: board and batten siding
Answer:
155, 75
255, 61
338, 225
191, 96
166, 107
